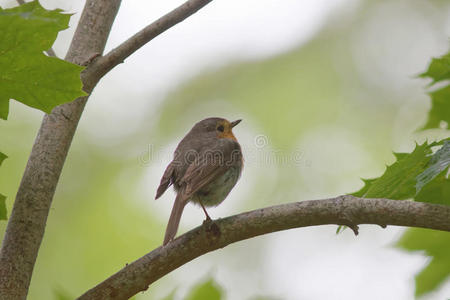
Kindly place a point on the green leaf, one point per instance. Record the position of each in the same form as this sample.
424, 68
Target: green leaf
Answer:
27, 74
2, 197
2, 207
439, 69
438, 164
399, 155
367, 184
399, 180
433, 186
420, 175
435, 244
437, 191
2, 158
440, 108
4, 109
208, 290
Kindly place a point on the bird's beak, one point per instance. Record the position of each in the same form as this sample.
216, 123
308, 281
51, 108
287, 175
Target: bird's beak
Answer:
234, 123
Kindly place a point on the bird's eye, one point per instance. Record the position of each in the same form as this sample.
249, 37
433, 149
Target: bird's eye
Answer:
220, 128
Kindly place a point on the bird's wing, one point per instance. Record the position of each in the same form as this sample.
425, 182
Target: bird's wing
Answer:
166, 180
200, 173
209, 165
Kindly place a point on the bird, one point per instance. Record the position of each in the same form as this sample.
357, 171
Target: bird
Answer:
206, 165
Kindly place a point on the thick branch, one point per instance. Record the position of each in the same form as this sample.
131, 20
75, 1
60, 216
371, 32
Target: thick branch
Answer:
27, 222
104, 64
344, 210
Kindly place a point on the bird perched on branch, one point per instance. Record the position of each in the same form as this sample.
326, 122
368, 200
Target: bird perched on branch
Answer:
206, 165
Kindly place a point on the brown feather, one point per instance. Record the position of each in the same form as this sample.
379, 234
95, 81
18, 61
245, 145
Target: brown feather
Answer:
175, 216
166, 181
198, 175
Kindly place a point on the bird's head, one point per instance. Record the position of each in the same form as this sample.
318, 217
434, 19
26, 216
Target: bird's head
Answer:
219, 127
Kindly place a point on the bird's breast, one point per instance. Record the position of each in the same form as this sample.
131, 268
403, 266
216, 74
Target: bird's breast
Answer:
217, 190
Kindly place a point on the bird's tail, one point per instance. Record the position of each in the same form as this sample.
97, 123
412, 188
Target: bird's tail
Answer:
175, 217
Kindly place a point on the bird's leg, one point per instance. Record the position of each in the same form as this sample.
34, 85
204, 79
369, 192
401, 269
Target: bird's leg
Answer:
206, 213
211, 227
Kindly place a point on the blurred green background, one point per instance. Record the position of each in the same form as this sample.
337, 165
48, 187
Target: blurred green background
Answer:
317, 117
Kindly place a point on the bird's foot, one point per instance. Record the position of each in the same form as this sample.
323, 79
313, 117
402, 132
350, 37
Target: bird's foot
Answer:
211, 227
207, 220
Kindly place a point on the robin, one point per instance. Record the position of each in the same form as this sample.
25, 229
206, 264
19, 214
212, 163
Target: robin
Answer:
206, 165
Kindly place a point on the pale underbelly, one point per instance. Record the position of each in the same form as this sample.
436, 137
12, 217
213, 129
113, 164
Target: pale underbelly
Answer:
214, 193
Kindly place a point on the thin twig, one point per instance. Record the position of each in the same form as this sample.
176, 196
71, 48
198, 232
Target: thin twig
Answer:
343, 210
104, 64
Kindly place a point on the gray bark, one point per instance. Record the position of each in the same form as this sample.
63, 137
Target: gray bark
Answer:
343, 210
26, 225
28, 218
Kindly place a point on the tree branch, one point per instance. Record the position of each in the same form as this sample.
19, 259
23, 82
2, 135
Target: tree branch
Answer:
28, 218
343, 210
104, 64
